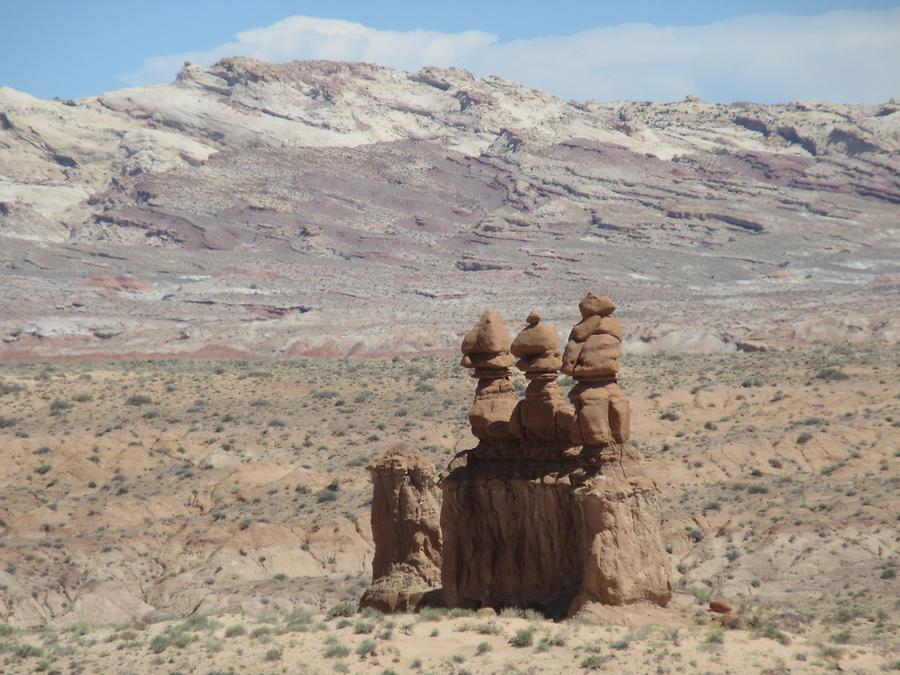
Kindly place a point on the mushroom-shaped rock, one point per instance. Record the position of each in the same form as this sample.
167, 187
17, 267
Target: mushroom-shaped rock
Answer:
596, 305
537, 338
485, 348
488, 336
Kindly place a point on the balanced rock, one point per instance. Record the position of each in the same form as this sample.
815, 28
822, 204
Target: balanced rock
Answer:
602, 414
596, 305
488, 336
551, 510
544, 415
560, 516
406, 569
486, 349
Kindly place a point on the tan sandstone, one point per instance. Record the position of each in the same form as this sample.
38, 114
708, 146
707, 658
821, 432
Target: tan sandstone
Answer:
406, 569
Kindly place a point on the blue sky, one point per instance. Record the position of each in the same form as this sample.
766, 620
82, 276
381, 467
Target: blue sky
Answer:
781, 49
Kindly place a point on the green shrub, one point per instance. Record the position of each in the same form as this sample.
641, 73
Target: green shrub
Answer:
335, 650
366, 648
59, 406
593, 662
28, 651
832, 375
138, 399
524, 637
235, 631
324, 496
160, 643
341, 609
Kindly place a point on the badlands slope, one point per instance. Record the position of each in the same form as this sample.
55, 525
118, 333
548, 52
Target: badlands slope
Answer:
319, 208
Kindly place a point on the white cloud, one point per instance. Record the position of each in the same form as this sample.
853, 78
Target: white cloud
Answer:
850, 56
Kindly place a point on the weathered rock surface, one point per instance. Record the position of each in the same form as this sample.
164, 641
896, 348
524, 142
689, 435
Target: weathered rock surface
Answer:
406, 568
552, 535
390, 205
563, 515
485, 349
544, 415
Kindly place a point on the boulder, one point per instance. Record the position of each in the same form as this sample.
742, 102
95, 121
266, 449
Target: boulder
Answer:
598, 358
535, 339
596, 325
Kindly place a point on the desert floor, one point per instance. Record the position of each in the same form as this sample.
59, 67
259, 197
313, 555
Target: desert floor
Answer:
212, 516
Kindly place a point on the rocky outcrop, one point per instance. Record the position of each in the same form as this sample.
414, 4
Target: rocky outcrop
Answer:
406, 569
485, 349
560, 515
544, 415
602, 414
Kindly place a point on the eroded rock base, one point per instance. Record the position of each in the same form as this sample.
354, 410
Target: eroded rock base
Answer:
406, 570
552, 529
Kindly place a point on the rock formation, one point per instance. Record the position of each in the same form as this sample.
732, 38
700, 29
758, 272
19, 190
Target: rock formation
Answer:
550, 520
485, 349
406, 569
544, 415
602, 415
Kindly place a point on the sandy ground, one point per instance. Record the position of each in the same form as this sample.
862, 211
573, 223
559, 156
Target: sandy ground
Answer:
133, 495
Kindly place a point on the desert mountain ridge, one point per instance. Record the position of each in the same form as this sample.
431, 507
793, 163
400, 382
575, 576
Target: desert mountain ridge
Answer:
325, 208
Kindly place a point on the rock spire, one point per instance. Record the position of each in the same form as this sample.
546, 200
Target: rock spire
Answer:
485, 350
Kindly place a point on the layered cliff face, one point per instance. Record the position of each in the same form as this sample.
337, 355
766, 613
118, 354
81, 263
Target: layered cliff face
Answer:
406, 568
327, 208
552, 535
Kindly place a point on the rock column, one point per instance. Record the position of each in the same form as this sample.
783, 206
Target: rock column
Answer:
485, 349
623, 554
406, 570
544, 415
602, 414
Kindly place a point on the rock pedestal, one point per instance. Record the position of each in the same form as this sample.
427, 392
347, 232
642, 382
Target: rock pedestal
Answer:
550, 510
406, 570
561, 515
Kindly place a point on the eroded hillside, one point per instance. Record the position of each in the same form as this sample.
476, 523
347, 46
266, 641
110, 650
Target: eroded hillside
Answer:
326, 208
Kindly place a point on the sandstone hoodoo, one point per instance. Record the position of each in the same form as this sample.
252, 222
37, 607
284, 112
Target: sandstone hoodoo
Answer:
551, 509
485, 349
602, 415
560, 515
406, 570
544, 415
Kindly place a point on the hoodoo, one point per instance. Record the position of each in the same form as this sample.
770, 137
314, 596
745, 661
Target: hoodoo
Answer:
406, 570
551, 510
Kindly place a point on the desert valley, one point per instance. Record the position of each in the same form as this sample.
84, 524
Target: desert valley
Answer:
223, 298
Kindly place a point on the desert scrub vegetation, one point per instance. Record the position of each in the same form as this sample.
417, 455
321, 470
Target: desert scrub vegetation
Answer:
749, 472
